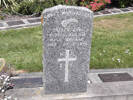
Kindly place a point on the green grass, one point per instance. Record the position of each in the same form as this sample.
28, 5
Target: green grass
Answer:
22, 48
112, 44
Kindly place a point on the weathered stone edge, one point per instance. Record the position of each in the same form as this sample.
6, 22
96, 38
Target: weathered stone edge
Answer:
66, 7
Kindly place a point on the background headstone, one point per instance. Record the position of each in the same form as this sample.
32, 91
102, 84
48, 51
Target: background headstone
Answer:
67, 32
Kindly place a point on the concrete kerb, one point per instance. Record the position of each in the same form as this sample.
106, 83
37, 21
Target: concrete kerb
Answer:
28, 24
103, 91
25, 21
113, 14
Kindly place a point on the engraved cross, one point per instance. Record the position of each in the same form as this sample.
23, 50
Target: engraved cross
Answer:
67, 59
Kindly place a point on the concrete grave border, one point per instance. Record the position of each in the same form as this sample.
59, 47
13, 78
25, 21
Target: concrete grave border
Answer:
29, 22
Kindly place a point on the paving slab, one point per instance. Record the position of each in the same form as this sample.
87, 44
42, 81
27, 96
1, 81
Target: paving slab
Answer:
27, 82
125, 9
1, 25
105, 12
12, 23
96, 13
115, 11
130, 97
131, 8
34, 20
114, 77
121, 98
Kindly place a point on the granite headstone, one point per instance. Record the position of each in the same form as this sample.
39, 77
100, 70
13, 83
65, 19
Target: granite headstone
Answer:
67, 32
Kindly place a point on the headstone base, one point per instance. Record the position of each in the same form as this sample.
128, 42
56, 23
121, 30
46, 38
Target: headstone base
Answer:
96, 91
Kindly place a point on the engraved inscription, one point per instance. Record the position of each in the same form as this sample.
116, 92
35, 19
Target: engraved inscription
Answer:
75, 13
67, 59
70, 32
75, 37
65, 13
68, 21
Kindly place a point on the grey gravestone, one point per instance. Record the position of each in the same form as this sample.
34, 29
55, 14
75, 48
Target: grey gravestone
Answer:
67, 32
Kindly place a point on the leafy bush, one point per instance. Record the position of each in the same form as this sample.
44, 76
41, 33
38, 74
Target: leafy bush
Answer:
11, 6
122, 3
95, 4
39, 6
25, 7
4, 3
65, 2
1, 16
7, 3
29, 7
35, 7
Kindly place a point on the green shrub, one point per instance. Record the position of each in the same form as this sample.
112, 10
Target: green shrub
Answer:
11, 6
122, 3
39, 6
66, 2
1, 17
8, 4
29, 7
4, 3
25, 7
33, 7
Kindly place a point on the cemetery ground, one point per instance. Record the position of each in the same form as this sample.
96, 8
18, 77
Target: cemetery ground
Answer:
111, 44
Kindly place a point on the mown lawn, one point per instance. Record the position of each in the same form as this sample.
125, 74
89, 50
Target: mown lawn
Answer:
22, 48
112, 44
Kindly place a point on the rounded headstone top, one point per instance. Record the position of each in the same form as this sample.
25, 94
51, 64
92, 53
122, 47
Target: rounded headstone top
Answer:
66, 7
